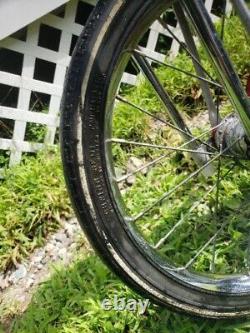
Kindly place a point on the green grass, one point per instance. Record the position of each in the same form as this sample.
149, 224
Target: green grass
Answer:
70, 302
33, 200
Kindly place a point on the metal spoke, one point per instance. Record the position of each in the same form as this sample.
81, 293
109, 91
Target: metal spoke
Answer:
150, 145
184, 46
212, 82
183, 219
157, 160
162, 94
171, 109
189, 39
169, 193
222, 32
217, 108
218, 181
202, 249
191, 261
143, 167
248, 253
121, 99
242, 9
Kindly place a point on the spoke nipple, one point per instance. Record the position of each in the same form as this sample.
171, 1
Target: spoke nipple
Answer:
129, 219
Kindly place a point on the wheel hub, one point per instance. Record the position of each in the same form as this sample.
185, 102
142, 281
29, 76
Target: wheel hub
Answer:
231, 135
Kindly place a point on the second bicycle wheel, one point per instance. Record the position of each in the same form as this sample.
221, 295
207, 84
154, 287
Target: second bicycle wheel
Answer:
159, 173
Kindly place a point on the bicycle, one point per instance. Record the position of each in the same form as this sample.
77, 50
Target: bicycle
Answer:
173, 226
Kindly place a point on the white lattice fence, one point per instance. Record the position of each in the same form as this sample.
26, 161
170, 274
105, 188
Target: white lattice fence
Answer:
33, 64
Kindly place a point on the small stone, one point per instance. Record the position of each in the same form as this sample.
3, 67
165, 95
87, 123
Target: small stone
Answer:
118, 172
3, 282
18, 275
45, 260
34, 269
62, 253
21, 298
39, 266
61, 238
124, 191
73, 222
36, 260
70, 230
134, 164
29, 283
73, 246
54, 258
131, 180
38, 257
58, 245
55, 243
50, 248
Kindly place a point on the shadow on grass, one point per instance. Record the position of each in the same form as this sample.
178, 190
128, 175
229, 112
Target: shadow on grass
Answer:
70, 303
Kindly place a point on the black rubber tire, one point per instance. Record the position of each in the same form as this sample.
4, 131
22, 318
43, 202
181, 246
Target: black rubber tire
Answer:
82, 126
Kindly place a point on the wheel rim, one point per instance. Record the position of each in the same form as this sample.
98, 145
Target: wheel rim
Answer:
217, 270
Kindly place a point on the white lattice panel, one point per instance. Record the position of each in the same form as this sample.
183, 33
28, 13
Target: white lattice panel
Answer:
31, 97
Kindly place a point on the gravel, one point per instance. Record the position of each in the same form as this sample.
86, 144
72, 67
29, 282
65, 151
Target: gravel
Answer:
21, 282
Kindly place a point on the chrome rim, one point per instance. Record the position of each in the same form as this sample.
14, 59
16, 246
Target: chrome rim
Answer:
181, 182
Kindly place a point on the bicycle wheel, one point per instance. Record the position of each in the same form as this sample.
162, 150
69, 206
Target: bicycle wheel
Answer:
159, 174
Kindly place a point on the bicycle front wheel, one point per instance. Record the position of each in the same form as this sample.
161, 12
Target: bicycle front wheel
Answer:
158, 173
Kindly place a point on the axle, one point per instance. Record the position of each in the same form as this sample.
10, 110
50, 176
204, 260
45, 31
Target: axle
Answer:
231, 134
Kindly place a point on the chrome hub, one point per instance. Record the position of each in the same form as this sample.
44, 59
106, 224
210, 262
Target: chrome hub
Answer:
231, 134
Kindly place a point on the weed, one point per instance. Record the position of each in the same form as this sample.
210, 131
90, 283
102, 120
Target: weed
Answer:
33, 200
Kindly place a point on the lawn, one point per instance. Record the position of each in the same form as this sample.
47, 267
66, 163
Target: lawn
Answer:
33, 201
70, 302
